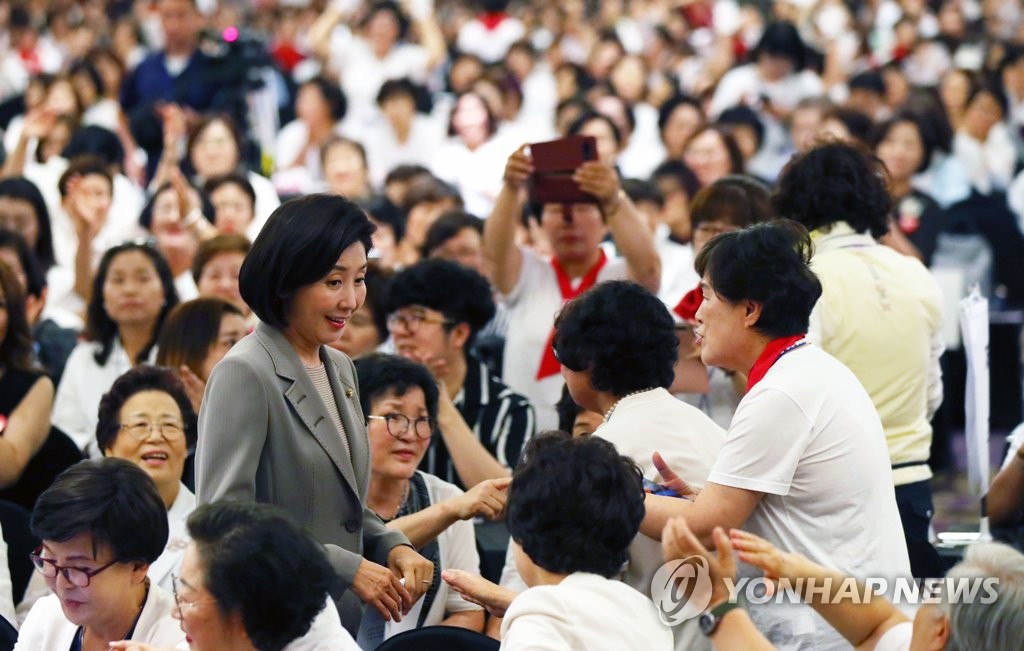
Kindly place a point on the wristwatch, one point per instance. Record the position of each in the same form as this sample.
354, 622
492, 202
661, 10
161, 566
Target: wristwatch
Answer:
709, 619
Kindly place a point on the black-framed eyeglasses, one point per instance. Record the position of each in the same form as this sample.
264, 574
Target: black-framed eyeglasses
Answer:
398, 425
412, 321
140, 430
76, 576
184, 603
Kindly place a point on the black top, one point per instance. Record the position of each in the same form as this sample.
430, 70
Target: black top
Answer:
922, 220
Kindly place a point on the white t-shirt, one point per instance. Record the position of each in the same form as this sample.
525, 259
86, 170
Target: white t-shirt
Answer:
585, 612
744, 85
476, 174
169, 562
1014, 440
896, 638
491, 45
532, 306
385, 153
677, 273
457, 547
809, 438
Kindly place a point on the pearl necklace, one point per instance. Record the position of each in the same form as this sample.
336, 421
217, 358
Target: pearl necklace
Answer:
611, 411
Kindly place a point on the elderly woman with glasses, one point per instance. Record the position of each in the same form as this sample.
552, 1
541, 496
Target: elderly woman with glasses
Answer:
102, 523
146, 418
399, 398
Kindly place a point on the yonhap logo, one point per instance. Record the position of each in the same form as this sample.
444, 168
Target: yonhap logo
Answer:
681, 589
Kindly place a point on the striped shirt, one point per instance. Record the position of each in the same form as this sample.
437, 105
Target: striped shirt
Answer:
322, 383
500, 418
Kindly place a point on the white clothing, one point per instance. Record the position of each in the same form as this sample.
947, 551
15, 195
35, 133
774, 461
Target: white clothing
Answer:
677, 273
476, 174
185, 286
169, 561
105, 113
76, 405
267, 202
540, 98
809, 438
744, 85
385, 153
645, 150
532, 306
896, 638
362, 73
585, 612
990, 165
689, 441
6, 588
457, 549
1014, 441
491, 45
46, 628
308, 175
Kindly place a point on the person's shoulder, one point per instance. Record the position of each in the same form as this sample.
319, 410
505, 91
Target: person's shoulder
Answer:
44, 619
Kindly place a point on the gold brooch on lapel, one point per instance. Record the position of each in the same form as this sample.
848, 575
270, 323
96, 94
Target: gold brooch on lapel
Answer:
349, 392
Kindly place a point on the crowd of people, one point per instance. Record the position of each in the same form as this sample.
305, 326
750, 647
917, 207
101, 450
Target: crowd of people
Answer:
287, 318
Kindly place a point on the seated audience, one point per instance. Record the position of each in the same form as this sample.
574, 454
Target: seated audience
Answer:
456, 236
873, 623
367, 328
807, 416
568, 551
252, 580
102, 524
399, 401
131, 295
535, 287
177, 220
146, 419
435, 309
234, 203
216, 267
194, 337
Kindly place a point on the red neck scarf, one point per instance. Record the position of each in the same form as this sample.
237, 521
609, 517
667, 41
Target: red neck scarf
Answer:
775, 349
491, 19
548, 364
690, 303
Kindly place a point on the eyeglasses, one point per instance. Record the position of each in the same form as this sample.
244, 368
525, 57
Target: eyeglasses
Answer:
411, 322
181, 603
141, 430
398, 425
76, 576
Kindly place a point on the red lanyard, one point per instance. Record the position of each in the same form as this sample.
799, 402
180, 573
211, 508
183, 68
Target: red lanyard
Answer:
775, 349
548, 363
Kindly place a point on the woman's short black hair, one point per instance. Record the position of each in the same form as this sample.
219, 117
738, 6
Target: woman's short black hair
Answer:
35, 279
342, 141
458, 292
20, 188
92, 140
190, 331
680, 174
742, 115
728, 141
589, 116
258, 563
987, 87
380, 374
674, 102
767, 264
395, 10
397, 88
113, 500
567, 410
881, 132
835, 182
146, 215
335, 98
236, 179
736, 199
142, 378
575, 505
622, 353
99, 327
782, 39
299, 245
447, 226
381, 210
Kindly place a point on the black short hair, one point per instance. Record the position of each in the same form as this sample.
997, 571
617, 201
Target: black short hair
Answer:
35, 279
99, 327
590, 115
381, 210
337, 103
395, 10
782, 39
92, 140
342, 141
258, 563
567, 410
380, 374
575, 505
85, 166
460, 293
728, 141
671, 104
736, 199
857, 123
447, 226
639, 190
235, 179
397, 87
680, 173
299, 245
20, 188
835, 182
190, 331
924, 132
113, 500
218, 245
767, 264
622, 353
743, 116
988, 87
142, 378
869, 80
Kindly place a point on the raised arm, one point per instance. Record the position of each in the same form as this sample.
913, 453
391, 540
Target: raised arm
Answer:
486, 499
625, 222
503, 256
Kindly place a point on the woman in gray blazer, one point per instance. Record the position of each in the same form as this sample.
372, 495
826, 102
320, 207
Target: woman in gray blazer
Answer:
280, 422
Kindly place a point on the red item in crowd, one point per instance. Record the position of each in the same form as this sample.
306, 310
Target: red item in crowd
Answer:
775, 349
690, 303
287, 56
549, 365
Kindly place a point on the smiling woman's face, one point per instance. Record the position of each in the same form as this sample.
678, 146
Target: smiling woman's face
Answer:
160, 452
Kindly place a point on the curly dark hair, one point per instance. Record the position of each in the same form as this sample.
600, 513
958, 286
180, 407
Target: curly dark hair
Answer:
767, 264
575, 505
139, 379
460, 293
380, 374
261, 565
622, 334
835, 182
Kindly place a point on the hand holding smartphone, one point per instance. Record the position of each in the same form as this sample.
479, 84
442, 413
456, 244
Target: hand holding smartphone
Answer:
554, 163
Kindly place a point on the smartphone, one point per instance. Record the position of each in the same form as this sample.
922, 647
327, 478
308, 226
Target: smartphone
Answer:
553, 165
658, 489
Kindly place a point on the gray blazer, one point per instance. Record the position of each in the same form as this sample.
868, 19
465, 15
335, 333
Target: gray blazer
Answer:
265, 435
